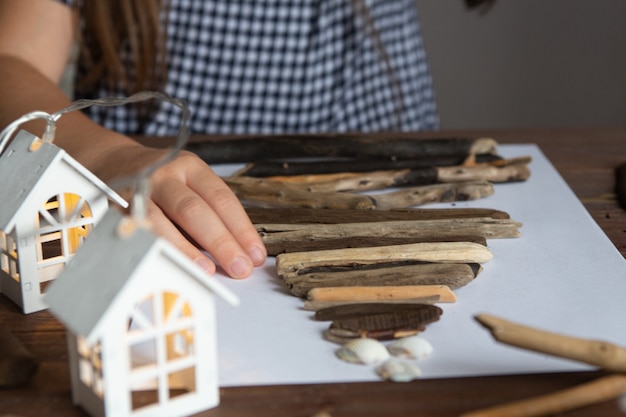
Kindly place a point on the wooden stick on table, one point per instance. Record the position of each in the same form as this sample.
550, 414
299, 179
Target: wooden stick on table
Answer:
291, 264
594, 352
506, 171
599, 390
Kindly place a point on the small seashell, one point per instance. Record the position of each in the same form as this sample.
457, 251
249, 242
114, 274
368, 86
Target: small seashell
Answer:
363, 350
413, 347
398, 371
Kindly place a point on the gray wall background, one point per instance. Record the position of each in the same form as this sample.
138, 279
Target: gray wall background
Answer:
527, 63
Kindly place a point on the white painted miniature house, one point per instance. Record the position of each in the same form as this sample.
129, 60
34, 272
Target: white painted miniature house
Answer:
49, 203
139, 314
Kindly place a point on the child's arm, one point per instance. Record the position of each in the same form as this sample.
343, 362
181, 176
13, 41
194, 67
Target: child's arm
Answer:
35, 40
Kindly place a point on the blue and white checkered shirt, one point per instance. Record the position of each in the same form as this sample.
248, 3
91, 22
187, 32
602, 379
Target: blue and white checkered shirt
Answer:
288, 66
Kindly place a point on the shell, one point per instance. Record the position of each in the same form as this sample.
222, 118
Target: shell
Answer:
413, 347
398, 371
365, 351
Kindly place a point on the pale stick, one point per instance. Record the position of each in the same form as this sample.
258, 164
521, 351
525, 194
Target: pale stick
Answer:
446, 295
595, 352
599, 390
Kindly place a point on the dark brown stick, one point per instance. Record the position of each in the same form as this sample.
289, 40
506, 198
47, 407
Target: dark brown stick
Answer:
333, 216
302, 245
330, 166
340, 145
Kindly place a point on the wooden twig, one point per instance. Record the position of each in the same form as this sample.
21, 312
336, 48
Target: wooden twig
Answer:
277, 247
599, 390
452, 275
266, 193
291, 264
361, 294
505, 171
436, 193
341, 145
334, 216
599, 353
329, 166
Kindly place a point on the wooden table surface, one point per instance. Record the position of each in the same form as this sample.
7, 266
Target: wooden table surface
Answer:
586, 158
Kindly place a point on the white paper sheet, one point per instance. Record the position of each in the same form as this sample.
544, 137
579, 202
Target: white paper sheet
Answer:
562, 275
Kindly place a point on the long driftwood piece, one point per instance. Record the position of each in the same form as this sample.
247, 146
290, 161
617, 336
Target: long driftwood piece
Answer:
284, 234
305, 146
515, 170
316, 305
266, 193
453, 275
332, 216
277, 247
291, 264
328, 166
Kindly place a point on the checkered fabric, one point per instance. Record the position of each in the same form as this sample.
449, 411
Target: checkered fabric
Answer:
289, 66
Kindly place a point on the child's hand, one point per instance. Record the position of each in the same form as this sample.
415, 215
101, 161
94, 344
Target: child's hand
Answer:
187, 192
190, 203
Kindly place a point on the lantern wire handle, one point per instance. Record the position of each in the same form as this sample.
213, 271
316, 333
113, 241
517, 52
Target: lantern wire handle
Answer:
139, 182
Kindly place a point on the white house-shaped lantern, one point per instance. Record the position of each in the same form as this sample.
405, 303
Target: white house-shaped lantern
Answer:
49, 203
139, 313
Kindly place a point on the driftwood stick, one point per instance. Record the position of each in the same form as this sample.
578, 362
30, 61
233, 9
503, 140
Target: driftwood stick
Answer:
505, 171
403, 292
262, 192
273, 194
487, 228
436, 193
341, 145
599, 353
328, 166
599, 390
317, 305
277, 247
332, 216
290, 264
452, 275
